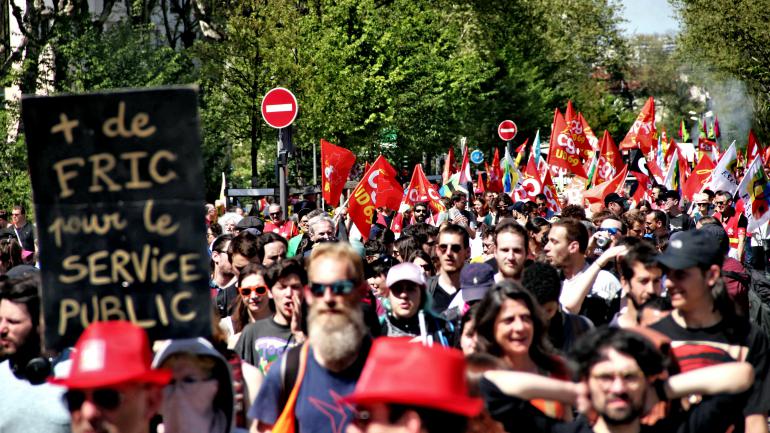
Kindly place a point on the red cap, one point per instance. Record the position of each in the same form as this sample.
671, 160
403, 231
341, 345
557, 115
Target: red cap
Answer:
112, 353
411, 374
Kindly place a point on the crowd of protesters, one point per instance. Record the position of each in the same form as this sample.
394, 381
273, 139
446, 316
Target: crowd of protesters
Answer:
491, 316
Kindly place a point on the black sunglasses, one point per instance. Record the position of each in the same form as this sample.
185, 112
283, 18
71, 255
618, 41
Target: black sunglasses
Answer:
341, 287
420, 210
259, 290
105, 398
456, 248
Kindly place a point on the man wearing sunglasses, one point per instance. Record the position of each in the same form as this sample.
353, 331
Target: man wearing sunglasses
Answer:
677, 220
421, 212
453, 249
735, 223
111, 386
334, 353
277, 224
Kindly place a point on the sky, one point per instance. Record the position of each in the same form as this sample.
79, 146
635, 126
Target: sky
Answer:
648, 16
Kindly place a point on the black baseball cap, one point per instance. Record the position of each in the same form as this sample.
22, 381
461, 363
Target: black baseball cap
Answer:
613, 197
692, 248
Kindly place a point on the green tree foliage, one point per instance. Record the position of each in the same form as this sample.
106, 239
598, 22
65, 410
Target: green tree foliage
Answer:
658, 71
731, 40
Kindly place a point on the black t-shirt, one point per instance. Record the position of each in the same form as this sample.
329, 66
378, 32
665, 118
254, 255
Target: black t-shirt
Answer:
680, 222
263, 342
518, 415
225, 299
440, 299
696, 348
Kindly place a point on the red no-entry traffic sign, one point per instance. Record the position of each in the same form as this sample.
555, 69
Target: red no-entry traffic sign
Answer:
279, 107
507, 130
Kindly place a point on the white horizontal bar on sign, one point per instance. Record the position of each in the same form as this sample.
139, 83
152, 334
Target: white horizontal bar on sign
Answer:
275, 108
502, 130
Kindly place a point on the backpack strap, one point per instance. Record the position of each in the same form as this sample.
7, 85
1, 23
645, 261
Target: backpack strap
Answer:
289, 372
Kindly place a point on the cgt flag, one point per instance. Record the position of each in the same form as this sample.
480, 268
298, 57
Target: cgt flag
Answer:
598, 192
421, 190
377, 188
564, 152
577, 132
609, 160
337, 162
642, 133
755, 190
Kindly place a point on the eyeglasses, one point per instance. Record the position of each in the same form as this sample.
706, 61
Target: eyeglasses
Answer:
719, 203
15, 214
259, 290
420, 210
275, 214
341, 287
105, 398
632, 379
610, 230
456, 248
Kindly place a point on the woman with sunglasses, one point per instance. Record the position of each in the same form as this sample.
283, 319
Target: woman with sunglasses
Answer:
252, 303
510, 326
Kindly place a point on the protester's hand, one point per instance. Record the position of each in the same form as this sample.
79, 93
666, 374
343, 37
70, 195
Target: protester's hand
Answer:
583, 398
611, 254
593, 242
460, 220
296, 319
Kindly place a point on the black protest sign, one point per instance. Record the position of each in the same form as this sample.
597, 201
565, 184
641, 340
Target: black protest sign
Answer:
118, 191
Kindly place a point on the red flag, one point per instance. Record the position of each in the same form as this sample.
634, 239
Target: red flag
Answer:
610, 162
550, 193
397, 224
753, 148
698, 177
593, 140
388, 191
642, 133
420, 189
717, 134
449, 165
367, 166
577, 133
684, 167
495, 174
672, 148
563, 152
531, 180
639, 167
336, 162
480, 185
597, 193
378, 188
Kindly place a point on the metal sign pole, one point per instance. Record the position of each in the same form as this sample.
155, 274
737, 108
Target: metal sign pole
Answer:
284, 143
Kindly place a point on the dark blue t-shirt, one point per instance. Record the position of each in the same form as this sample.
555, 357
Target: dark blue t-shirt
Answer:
317, 409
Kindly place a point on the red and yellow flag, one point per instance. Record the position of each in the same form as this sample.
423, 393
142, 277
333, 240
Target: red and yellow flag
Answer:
336, 163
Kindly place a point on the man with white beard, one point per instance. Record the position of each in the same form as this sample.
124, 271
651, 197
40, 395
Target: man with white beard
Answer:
329, 364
